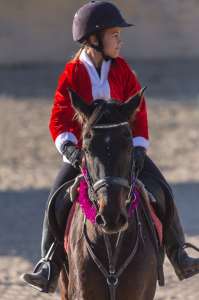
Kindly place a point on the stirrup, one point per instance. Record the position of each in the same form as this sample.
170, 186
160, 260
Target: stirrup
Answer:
190, 245
47, 263
47, 260
189, 273
39, 265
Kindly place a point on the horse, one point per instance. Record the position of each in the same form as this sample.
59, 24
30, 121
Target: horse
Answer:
114, 257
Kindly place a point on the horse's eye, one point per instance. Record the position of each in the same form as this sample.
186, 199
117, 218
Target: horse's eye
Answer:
88, 135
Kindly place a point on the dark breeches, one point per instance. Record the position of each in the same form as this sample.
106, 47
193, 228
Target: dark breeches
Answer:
156, 183
150, 169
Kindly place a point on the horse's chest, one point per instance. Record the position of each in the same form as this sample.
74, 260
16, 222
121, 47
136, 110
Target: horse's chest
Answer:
88, 283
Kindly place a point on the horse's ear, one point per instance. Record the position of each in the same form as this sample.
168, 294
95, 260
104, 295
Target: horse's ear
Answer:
128, 108
79, 104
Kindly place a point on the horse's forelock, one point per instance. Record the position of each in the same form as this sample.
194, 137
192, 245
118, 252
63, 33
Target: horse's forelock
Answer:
103, 112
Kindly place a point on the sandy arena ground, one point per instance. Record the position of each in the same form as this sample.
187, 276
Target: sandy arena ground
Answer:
29, 162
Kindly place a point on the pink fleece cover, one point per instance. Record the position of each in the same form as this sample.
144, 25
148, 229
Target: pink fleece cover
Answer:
89, 210
88, 207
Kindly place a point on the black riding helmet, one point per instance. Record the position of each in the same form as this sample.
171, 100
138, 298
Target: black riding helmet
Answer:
93, 17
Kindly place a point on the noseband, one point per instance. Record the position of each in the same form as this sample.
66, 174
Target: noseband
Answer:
110, 180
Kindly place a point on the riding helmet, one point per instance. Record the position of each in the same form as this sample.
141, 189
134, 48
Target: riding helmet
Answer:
94, 17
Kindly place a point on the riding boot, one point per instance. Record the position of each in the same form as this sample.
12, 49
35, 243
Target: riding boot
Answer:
184, 265
174, 239
46, 273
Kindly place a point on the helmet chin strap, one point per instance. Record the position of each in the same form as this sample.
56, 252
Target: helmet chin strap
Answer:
100, 47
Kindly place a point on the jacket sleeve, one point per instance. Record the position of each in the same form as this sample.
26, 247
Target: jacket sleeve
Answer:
62, 125
140, 124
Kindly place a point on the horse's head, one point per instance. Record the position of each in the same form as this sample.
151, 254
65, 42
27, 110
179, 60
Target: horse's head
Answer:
107, 147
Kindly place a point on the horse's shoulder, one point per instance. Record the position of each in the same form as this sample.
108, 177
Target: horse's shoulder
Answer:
78, 217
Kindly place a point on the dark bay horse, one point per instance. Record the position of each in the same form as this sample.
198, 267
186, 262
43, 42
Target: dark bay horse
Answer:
115, 257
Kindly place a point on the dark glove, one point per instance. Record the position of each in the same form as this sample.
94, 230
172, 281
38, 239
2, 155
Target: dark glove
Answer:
139, 154
72, 153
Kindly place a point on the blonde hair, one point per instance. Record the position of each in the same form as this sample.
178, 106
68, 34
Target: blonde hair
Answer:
78, 53
85, 45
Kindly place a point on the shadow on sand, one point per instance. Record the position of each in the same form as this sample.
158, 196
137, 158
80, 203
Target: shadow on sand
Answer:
21, 214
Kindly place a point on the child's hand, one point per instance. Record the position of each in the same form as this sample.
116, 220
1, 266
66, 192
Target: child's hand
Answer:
72, 153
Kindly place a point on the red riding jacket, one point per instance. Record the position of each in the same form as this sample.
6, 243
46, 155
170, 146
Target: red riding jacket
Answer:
116, 81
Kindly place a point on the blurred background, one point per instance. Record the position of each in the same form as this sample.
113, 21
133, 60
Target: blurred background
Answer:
35, 44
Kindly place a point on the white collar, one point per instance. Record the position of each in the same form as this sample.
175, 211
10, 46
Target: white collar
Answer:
95, 78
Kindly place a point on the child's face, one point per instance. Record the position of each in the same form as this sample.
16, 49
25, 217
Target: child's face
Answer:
112, 41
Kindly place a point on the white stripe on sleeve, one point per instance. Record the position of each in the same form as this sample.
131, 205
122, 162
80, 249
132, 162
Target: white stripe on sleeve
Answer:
62, 138
140, 141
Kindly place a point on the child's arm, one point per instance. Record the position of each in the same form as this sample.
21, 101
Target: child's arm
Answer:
62, 125
140, 122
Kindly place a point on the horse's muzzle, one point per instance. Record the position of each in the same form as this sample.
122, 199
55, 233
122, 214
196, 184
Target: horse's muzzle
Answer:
112, 225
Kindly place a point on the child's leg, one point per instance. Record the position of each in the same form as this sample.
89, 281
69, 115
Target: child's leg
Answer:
40, 278
184, 265
66, 173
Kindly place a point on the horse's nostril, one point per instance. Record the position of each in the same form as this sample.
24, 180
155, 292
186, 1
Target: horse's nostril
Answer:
100, 220
122, 219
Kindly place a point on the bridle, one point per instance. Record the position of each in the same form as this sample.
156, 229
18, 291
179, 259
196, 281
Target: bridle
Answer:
94, 187
111, 275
